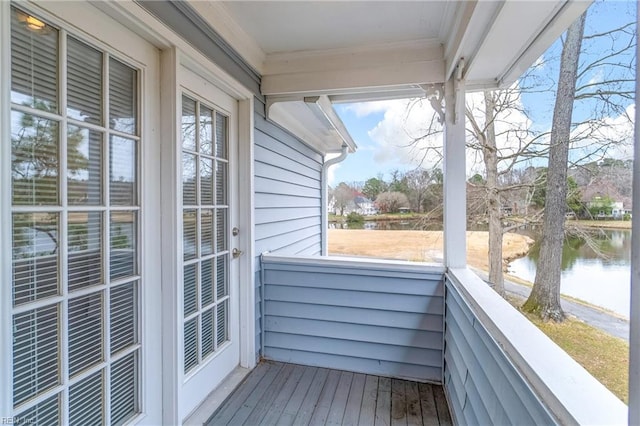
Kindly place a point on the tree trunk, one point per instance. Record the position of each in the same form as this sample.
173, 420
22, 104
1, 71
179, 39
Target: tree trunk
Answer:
545, 295
490, 156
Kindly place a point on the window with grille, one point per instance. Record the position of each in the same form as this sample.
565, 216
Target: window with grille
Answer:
75, 208
204, 231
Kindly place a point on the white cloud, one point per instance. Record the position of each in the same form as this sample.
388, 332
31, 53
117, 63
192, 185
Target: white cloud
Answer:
363, 109
331, 174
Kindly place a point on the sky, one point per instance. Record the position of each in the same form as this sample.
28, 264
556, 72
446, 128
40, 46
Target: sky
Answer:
384, 130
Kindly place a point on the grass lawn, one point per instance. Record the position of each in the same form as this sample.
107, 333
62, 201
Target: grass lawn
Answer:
604, 356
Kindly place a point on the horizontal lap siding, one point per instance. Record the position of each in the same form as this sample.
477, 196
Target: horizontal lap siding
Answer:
482, 384
385, 322
287, 185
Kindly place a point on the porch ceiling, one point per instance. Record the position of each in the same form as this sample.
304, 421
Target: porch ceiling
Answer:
380, 49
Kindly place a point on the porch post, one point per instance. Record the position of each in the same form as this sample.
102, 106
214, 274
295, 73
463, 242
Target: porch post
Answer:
634, 323
455, 199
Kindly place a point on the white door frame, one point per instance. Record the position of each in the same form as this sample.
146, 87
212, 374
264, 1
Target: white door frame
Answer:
172, 60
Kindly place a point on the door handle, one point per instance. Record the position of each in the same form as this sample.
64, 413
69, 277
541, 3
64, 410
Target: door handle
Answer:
236, 253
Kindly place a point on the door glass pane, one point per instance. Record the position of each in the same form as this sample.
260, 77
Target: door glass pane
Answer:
206, 130
208, 327
35, 159
206, 244
207, 281
123, 97
189, 234
85, 401
188, 127
35, 256
46, 412
190, 344
85, 249
189, 184
221, 230
84, 166
190, 289
84, 82
221, 323
124, 318
34, 62
85, 332
36, 352
124, 231
221, 136
124, 389
206, 181
122, 171
221, 183
222, 287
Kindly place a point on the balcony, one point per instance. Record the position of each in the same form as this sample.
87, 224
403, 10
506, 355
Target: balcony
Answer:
406, 326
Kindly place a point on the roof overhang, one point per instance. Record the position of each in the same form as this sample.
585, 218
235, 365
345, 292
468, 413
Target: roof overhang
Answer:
373, 50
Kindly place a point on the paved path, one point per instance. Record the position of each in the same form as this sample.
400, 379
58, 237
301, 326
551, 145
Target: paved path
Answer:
602, 320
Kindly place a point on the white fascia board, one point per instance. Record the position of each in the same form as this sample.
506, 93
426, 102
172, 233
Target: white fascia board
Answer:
345, 71
553, 28
217, 15
314, 122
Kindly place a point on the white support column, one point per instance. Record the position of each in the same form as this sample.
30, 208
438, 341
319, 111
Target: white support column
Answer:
634, 323
455, 176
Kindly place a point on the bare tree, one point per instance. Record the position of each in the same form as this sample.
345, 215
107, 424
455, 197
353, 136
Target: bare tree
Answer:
545, 295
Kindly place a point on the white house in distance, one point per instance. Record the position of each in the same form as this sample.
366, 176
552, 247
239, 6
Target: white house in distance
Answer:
163, 212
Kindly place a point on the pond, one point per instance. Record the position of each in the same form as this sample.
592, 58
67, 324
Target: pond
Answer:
602, 279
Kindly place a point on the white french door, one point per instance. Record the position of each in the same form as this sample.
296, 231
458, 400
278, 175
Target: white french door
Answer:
81, 131
208, 320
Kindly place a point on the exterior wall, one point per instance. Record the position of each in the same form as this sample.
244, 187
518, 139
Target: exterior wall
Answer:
482, 384
288, 203
374, 317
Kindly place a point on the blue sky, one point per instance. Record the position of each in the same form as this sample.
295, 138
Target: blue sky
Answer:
383, 129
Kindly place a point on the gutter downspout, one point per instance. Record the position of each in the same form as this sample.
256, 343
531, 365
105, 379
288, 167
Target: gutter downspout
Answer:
634, 315
324, 199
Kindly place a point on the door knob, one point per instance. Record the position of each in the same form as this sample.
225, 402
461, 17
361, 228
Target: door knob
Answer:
236, 253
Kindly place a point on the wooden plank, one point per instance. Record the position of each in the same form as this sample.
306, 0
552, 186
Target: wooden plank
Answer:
252, 400
428, 405
354, 401
237, 398
283, 397
340, 397
444, 416
414, 412
293, 405
323, 405
383, 405
398, 403
369, 401
269, 396
308, 405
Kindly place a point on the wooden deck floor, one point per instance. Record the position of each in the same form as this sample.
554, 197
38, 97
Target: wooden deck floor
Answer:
287, 394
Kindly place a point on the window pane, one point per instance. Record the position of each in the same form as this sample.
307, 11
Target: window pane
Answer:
207, 269
221, 230
124, 320
221, 322
34, 62
124, 231
123, 97
122, 171
221, 276
35, 252
36, 352
84, 82
208, 326
190, 344
221, 183
206, 130
46, 412
189, 171
85, 332
206, 244
189, 234
206, 181
84, 164
221, 136
86, 401
188, 124
190, 289
124, 389
85, 249
35, 160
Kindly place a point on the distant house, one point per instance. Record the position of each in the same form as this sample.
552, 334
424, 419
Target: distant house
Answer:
361, 205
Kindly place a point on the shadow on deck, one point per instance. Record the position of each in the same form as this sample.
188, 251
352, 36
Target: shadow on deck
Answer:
276, 393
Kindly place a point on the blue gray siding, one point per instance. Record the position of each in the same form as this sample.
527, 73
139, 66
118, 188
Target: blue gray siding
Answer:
482, 384
288, 203
373, 318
